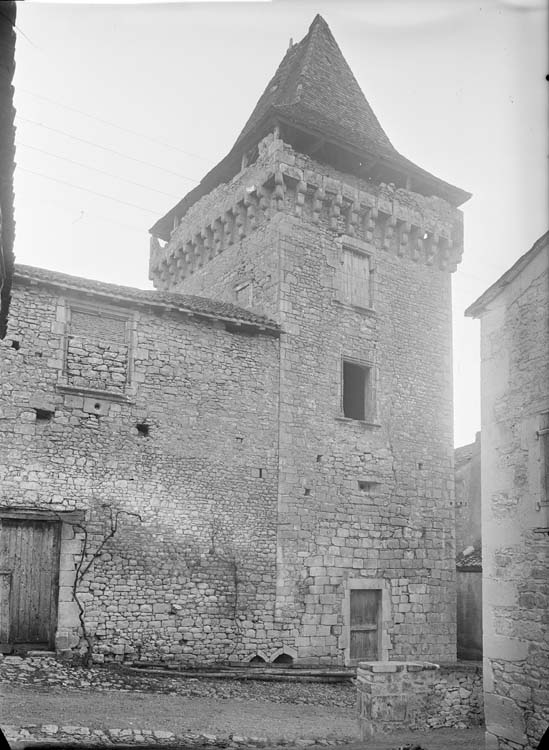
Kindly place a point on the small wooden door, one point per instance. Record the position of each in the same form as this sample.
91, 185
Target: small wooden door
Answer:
29, 582
365, 624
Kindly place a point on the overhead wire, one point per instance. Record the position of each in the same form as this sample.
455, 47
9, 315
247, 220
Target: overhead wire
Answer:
104, 148
88, 190
96, 169
112, 124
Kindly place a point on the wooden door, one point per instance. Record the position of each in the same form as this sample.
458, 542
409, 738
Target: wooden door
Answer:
29, 573
365, 624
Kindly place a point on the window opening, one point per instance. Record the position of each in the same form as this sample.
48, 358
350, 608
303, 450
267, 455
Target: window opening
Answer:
357, 391
43, 415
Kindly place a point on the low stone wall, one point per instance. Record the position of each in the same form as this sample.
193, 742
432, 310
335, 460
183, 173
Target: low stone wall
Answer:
29, 734
393, 696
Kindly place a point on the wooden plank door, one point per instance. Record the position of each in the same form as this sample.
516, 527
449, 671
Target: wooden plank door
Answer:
365, 624
29, 560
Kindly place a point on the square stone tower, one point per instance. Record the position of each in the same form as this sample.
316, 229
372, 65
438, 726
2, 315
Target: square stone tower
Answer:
315, 220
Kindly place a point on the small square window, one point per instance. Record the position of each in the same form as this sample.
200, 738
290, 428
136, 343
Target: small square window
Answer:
358, 391
243, 295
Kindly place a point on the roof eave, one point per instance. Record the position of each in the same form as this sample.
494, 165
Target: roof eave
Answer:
266, 326
479, 305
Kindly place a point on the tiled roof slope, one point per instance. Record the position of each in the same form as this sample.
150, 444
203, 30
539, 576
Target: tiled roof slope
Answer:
184, 302
469, 559
314, 86
463, 454
314, 89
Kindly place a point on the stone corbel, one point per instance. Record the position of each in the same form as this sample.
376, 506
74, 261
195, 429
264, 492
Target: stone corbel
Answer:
198, 250
431, 248
390, 226
335, 210
217, 236
371, 224
318, 204
417, 244
240, 221
207, 242
264, 199
353, 223
404, 238
228, 223
249, 206
279, 190
300, 195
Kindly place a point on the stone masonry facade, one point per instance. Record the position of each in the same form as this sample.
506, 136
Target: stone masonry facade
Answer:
269, 432
514, 315
194, 576
357, 501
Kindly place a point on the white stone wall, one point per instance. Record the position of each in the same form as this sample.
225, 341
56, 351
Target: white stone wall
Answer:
515, 394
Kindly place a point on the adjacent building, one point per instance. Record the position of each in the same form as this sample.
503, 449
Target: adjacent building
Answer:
514, 315
261, 449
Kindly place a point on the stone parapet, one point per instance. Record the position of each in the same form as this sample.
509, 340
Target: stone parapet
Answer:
397, 695
426, 229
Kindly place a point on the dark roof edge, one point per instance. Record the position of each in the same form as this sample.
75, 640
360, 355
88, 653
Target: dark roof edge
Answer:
222, 172
267, 326
474, 310
229, 166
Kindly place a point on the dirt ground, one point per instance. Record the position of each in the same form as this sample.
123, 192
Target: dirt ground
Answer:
177, 714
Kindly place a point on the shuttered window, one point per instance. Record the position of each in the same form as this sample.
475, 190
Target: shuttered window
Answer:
543, 435
356, 278
365, 624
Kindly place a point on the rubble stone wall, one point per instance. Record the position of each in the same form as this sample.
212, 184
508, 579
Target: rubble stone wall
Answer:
396, 696
192, 575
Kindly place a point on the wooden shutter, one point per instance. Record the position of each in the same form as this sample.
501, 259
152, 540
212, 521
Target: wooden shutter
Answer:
356, 278
29, 559
365, 624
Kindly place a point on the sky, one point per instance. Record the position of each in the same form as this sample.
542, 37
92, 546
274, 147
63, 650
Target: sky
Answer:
122, 108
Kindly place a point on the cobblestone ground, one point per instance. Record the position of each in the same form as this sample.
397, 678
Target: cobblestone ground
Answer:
42, 699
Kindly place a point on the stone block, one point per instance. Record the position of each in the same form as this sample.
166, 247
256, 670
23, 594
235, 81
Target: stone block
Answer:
504, 718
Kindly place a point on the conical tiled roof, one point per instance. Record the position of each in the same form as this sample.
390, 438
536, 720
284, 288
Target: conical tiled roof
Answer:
315, 92
314, 87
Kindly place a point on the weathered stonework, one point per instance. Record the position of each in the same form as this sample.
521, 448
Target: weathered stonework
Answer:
427, 230
195, 578
329, 530
514, 316
275, 510
393, 696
